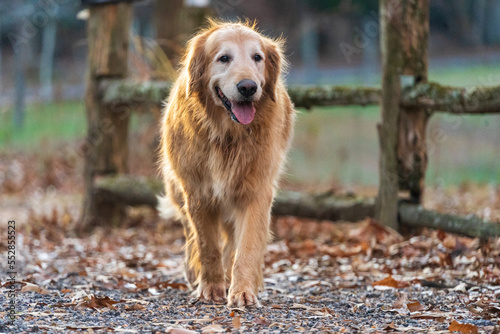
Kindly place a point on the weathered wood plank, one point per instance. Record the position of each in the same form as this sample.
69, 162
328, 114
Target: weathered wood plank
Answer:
432, 97
132, 190
309, 96
456, 100
323, 206
412, 147
128, 190
128, 92
391, 24
106, 144
472, 226
121, 190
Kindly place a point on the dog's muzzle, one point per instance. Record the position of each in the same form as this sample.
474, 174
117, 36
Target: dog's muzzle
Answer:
242, 112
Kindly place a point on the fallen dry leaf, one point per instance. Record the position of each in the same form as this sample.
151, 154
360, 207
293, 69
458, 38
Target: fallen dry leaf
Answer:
391, 282
180, 331
261, 321
437, 316
8, 284
35, 288
303, 249
339, 251
455, 326
401, 301
400, 306
300, 306
135, 307
90, 329
167, 284
95, 302
213, 329
237, 322
415, 306
449, 242
390, 327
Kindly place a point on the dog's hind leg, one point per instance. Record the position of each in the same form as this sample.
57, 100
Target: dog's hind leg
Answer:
192, 265
172, 206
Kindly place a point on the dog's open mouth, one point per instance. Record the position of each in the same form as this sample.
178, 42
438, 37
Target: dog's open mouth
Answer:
240, 111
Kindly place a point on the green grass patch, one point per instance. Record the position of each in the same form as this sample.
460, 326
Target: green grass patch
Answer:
477, 75
340, 145
51, 123
43, 124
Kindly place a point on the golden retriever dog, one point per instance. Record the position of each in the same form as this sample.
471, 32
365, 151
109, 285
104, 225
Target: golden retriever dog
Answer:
225, 132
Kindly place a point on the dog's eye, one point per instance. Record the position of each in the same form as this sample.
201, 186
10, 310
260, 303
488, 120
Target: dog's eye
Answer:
224, 59
257, 57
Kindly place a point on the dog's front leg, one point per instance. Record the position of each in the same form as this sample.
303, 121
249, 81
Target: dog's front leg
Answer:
252, 234
206, 224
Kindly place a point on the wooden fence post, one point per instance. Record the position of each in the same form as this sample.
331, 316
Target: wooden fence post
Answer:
391, 25
106, 149
167, 17
403, 158
412, 151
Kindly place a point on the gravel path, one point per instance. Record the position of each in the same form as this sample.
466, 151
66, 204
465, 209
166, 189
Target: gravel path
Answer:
320, 277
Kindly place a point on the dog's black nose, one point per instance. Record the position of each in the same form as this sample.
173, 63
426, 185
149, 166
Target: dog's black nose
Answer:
247, 87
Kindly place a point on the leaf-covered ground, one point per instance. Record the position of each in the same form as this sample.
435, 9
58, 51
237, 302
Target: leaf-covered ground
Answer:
320, 276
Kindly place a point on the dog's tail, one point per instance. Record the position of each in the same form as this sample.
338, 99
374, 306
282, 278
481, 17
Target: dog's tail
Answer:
166, 208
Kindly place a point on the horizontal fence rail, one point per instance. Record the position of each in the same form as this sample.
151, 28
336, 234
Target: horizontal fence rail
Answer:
456, 100
432, 97
135, 190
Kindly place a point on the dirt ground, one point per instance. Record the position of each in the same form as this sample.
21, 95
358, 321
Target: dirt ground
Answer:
320, 276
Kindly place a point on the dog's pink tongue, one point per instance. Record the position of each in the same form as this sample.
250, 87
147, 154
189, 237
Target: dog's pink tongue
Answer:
244, 111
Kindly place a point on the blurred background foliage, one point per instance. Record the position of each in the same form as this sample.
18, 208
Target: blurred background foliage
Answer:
43, 61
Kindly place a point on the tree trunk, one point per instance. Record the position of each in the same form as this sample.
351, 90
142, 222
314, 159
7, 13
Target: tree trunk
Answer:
20, 66
478, 22
47, 59
309, 46
20, 84
492, 23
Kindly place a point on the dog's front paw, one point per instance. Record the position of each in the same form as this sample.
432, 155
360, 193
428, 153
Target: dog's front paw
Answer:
243, 298
215, 292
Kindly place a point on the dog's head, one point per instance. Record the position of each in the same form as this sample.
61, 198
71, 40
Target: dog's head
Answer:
234, 67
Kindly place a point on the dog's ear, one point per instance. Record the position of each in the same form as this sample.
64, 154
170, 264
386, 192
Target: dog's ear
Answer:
275, 62
195, 63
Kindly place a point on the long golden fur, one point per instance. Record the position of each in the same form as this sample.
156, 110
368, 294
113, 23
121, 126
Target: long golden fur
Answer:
225, 133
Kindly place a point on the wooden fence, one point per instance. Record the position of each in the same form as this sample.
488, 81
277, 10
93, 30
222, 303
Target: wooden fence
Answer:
405, 112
